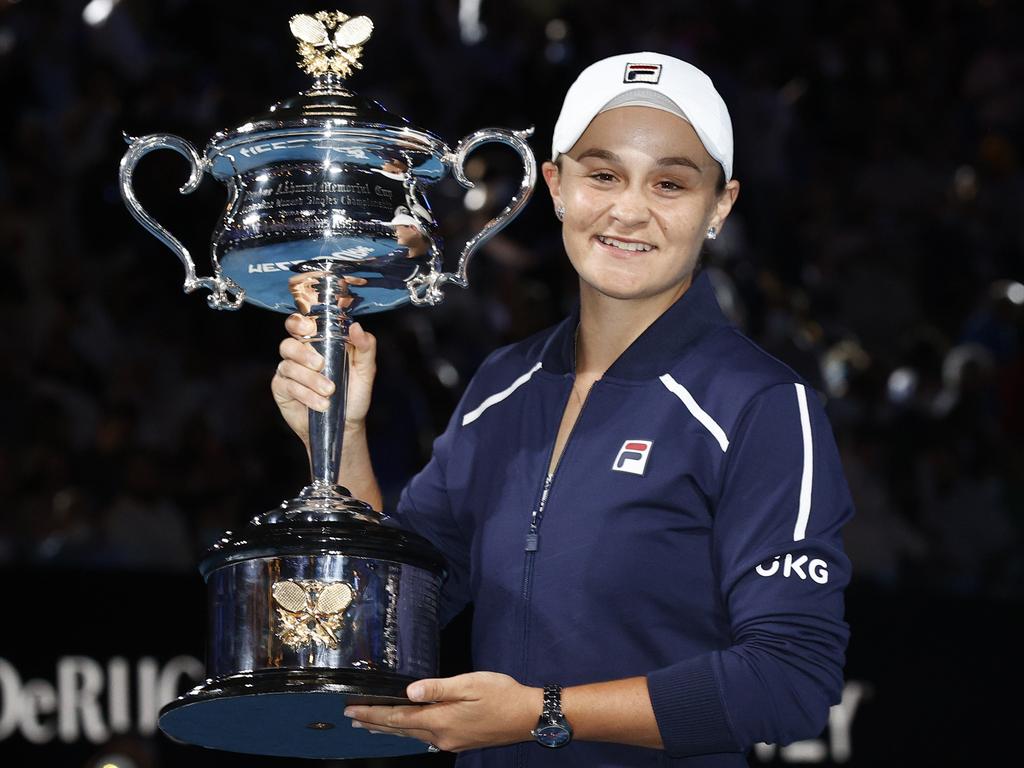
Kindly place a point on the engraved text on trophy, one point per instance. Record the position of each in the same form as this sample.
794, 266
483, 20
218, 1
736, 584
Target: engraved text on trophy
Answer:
305, 199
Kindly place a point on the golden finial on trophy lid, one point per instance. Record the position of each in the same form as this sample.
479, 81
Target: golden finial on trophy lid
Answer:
330, 41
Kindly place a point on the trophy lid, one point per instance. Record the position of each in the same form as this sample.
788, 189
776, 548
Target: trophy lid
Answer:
330, 44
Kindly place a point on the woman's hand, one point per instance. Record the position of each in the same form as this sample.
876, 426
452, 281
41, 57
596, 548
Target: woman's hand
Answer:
479, 709
298, 384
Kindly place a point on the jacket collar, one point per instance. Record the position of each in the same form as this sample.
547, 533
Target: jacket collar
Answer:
694, 315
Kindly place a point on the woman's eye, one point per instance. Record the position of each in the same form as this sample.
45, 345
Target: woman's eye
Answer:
669, 186
602, 176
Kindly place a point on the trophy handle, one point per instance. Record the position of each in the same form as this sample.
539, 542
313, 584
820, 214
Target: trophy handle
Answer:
225, 293
516, 140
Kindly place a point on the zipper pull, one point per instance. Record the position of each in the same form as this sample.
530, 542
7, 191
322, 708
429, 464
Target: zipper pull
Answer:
532, 538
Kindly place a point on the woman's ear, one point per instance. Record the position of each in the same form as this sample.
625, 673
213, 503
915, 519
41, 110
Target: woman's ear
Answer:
724, 204
552, 177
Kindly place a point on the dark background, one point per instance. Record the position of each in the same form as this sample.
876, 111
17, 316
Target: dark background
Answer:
876, 248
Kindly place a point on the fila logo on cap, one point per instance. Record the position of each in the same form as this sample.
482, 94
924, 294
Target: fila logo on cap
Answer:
633, 456
642, 73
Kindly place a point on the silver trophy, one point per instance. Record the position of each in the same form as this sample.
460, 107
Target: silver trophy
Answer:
315, 603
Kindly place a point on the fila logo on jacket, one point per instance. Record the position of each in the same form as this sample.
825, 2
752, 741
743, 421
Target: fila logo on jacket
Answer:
632, 456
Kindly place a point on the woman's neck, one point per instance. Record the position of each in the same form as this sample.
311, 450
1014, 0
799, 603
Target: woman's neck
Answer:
608, 325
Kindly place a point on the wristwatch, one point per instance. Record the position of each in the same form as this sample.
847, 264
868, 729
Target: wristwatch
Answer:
552, 730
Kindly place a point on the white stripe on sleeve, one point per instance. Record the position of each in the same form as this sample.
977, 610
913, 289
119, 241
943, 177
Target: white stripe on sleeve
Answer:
808, 475
698, 413
497, 397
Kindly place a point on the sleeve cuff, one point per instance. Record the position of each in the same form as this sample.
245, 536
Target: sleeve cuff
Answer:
688, 707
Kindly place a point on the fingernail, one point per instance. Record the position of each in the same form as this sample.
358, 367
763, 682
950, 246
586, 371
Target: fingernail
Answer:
415, 692
326, 388
356, 724
322, 405
348, 712
316, 362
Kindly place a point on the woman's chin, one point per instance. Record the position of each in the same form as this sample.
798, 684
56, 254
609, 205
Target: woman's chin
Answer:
623, 290
631, 287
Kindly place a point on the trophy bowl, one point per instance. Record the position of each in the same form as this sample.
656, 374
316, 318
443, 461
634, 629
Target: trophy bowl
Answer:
318, 603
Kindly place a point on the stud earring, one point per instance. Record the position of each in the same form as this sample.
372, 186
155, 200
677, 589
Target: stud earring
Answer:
712, 233
560, 212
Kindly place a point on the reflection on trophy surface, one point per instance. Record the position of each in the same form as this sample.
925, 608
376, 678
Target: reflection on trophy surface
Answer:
314, 603
409, 234
303, 288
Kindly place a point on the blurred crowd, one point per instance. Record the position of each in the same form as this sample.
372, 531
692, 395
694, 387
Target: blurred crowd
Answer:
876, 248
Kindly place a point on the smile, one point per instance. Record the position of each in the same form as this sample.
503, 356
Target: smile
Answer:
625, 245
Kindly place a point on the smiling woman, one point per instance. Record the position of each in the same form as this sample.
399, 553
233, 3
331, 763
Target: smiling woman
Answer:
615, 494
639, 193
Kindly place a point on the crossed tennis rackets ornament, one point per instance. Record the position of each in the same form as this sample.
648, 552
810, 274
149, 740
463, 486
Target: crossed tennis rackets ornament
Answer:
330, 41
310, 611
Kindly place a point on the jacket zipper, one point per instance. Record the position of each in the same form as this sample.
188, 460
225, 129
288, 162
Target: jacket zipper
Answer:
533, 535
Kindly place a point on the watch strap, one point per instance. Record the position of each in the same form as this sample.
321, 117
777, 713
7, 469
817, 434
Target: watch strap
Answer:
552, 701
552, 730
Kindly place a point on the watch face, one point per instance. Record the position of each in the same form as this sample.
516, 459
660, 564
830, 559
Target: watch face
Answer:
552, 735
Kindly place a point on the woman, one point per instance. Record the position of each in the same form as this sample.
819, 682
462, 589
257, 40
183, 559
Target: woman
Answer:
643, 505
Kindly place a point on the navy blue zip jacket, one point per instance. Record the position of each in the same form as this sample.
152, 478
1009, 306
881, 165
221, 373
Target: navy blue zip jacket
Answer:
691, 534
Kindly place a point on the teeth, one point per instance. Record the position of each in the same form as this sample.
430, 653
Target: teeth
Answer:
624, 245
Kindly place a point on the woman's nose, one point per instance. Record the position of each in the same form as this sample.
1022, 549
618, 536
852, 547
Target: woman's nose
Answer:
630, 207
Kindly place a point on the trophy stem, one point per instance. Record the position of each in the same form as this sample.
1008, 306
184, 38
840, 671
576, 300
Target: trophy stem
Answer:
323, 500
327, 429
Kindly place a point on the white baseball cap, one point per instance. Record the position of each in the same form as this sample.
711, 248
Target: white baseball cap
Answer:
649, 80
417, 217
403, 218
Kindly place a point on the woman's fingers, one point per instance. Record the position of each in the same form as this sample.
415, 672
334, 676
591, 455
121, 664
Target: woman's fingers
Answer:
410, 733
297, 376
309, 378
363, 341
363, 367
301, 353
393, 719
286, 388
363, 351
299, 326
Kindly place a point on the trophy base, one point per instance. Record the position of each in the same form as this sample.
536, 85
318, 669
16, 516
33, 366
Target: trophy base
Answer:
280, 672
321, 502
289, 714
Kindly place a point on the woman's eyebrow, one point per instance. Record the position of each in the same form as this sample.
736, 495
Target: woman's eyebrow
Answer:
680, 161
600, 154
604, 154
